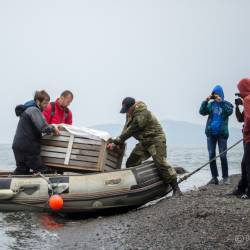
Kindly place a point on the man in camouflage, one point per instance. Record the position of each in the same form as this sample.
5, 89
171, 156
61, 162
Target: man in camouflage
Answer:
144, 126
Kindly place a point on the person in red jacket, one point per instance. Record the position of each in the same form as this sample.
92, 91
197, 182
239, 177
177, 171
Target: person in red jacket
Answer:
244, 184
58, 112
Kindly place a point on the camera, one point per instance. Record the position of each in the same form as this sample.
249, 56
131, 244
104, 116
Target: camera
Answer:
213, 96
238, 101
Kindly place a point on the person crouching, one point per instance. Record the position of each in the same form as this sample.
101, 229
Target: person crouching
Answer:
145, 127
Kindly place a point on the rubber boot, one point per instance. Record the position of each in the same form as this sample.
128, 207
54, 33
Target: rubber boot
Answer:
176, 190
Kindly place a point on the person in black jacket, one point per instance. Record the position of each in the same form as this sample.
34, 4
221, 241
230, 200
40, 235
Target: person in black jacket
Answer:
26, 145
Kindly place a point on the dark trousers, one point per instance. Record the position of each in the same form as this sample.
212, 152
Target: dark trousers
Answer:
244, 183
26, 161
212, 141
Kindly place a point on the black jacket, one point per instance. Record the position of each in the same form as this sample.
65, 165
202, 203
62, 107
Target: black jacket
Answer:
29, 130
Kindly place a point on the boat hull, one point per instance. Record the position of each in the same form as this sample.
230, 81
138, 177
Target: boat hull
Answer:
83, 193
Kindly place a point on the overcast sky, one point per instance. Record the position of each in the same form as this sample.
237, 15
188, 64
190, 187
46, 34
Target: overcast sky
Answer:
168, 53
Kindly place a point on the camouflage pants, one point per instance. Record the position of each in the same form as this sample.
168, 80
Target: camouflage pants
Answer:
158, 151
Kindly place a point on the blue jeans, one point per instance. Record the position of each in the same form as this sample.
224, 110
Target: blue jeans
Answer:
211, 145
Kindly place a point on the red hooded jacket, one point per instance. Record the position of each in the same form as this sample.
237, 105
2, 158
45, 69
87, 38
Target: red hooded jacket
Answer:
60, 115
244, 88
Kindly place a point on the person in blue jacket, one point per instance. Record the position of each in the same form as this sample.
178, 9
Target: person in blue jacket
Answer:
218, 111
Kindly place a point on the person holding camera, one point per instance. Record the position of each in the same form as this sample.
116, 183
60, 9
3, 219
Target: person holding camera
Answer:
243, 188
218, 111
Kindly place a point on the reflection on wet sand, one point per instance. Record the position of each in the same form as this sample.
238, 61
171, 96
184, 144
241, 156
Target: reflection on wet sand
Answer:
24, 230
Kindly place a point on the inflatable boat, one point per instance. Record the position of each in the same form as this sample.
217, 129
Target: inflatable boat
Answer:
93, 192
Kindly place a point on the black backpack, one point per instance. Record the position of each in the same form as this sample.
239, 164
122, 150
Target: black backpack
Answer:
53, 109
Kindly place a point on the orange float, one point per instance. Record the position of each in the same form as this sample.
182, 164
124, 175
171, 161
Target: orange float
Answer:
56, 202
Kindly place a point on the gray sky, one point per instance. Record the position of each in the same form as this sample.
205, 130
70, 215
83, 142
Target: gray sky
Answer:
167, 53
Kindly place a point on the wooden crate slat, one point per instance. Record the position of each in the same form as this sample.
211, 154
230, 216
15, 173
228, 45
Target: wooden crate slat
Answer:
54, 149
67, 134
83, 164
75, 145
87, 147
114, 154
55, 138
110, 163
76, 140
111, 158
108, 168
50, 161
102, 156
86, 141
54, 143
107, 165
85, 152
84, 158
71, 167
53, 155
72, 157
74, 151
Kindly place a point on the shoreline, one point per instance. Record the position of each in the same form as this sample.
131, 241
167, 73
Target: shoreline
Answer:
202, 219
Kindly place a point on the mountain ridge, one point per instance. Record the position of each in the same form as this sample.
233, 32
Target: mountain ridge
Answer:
177, 132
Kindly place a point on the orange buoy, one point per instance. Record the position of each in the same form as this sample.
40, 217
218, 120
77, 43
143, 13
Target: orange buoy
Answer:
56, 202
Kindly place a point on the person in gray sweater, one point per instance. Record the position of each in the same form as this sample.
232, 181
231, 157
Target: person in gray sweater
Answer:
31, 126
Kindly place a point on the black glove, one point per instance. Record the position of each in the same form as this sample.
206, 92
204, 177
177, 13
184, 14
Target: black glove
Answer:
117, 140
238, 102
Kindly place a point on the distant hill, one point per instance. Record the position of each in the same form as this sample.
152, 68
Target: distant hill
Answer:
178, 132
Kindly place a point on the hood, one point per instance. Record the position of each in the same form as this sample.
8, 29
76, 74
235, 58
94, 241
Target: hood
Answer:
244, 87
218, 90
139, 107
21, 108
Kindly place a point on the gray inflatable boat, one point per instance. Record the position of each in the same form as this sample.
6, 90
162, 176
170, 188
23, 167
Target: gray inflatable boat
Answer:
125, 188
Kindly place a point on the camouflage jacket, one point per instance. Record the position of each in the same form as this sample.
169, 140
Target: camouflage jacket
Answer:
143, 126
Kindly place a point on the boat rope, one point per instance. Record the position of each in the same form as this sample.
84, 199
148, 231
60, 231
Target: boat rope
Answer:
50, 184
